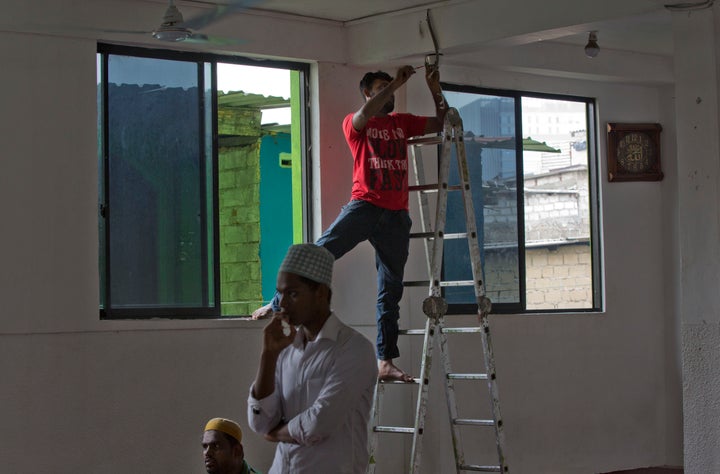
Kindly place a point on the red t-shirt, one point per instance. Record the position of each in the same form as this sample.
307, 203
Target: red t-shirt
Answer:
380, 164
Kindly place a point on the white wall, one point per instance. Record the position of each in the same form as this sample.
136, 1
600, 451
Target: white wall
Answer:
698, 134
585, 393
580, 393
103, 396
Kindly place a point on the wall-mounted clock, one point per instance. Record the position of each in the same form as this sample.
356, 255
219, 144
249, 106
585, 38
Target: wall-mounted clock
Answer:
633, 151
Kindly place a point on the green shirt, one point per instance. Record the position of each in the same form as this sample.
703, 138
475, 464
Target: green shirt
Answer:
247, 469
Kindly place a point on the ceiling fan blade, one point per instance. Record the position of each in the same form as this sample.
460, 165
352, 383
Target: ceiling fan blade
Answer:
124, 32
216, 40
217, 13
87, 30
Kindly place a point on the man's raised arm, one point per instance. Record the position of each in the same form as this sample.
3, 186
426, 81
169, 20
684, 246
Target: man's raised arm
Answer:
376, 100
432, 77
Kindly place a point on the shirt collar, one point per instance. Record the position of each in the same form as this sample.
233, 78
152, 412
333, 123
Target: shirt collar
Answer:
330, 330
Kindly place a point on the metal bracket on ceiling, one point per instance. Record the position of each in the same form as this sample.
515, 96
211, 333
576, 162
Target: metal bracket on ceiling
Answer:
432, 59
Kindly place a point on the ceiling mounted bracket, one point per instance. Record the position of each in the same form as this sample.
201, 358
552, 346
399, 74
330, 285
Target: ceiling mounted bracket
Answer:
432, 59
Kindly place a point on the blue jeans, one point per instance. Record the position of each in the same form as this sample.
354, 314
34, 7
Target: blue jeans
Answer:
389, 234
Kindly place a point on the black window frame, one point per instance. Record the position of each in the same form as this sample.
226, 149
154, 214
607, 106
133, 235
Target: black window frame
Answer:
211, 309
594, 201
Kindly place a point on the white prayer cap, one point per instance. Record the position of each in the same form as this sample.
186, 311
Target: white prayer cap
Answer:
310, 261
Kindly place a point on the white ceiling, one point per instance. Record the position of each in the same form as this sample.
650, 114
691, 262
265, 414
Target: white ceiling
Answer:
345, 11
541, 37
538, 36
646, 29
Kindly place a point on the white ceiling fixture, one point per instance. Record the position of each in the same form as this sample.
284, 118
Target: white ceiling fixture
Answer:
591, 48
175, 28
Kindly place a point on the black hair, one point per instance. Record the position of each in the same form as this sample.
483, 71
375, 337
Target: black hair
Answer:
314, 285
367, 81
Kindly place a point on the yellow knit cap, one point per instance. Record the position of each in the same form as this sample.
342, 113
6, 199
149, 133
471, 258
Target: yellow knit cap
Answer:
226, 426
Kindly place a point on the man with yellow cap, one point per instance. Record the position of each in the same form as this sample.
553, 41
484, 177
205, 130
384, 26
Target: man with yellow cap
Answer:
222, 448
314, 386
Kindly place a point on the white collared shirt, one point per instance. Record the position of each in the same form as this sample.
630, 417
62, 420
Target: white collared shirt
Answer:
323, 390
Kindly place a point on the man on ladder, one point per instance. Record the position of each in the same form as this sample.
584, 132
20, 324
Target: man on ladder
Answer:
378, 210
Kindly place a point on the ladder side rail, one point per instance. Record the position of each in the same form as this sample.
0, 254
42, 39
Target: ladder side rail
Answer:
441, 211
372, 434
451, 399
433, 305
422, 396
429, 332
423, 204
470, 221
433, 262
483, 302
493, 388
471, 235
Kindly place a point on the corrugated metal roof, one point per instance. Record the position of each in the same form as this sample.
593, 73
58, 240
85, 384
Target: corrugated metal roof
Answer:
256, 101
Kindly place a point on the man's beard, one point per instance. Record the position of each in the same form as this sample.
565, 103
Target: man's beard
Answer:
388, 107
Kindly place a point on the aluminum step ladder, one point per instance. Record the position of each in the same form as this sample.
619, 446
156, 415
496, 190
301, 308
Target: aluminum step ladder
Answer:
435, 308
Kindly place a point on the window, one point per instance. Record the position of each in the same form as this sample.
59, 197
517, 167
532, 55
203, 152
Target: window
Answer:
202, 179
535, 199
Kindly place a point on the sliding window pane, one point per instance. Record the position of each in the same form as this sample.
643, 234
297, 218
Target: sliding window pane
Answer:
557, 204
490, 144
157, 162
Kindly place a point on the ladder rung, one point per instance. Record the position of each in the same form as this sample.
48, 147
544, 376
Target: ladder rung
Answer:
422, 235
456, 235
478, 468
468, 421
424, 187
399, 382
412, 332
469, 330
431, 235
467, 376
433, 187
434, 140
442, 283
457, 283
393, 429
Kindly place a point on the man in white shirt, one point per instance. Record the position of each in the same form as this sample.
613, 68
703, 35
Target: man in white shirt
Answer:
314, 386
